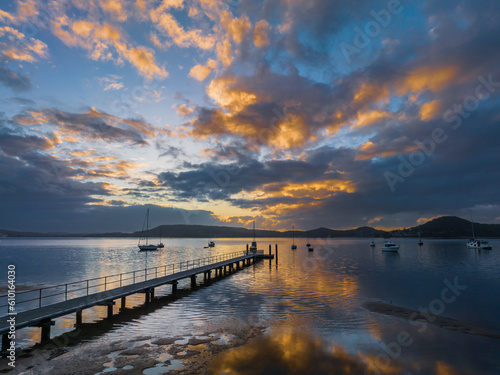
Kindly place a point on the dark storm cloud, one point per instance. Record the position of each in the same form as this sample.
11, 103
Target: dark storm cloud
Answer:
91, 125
79, 218
39, 193
35, 186
15, 81
220, 181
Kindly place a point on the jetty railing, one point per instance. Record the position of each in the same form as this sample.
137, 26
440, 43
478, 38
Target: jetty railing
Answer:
36, 298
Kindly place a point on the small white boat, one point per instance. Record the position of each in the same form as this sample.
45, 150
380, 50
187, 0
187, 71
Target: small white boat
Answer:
390, 246
146, 246
478, 244
372, 244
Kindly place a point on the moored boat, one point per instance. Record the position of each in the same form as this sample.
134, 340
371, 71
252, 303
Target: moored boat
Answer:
474, 243
478, 244
144, 235
390, 246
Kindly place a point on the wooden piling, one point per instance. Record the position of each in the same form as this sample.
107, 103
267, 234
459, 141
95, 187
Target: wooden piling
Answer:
174, 286
79, 318
123, 304
45, 325
193, 281
110, 310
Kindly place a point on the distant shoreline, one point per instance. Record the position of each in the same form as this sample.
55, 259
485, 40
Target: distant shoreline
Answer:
445, 227
232, 238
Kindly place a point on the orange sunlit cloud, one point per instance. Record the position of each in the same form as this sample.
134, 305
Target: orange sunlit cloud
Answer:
430, 110
312, 189
370, 150
427, 78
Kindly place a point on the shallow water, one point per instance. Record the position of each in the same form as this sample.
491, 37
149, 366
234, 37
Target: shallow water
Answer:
321, 292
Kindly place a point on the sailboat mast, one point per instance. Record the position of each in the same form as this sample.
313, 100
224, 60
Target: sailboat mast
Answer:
293, 234
147, 226
472, 223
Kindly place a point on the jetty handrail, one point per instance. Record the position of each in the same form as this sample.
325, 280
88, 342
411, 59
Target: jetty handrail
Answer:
111, 281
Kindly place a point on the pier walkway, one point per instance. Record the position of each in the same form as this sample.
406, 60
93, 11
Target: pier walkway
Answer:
38, 308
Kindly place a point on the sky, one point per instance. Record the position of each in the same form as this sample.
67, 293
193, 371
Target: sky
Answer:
309, 113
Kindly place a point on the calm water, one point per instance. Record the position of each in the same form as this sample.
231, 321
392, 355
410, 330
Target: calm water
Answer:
321, 292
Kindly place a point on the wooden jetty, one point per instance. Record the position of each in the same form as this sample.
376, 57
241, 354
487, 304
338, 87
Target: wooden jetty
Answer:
77, 296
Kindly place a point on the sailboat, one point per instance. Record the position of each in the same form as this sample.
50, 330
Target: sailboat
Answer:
372, 244
474, 243
308, 245
211, 243
160, 245
146, 246
293, 238
420, 243
254, 243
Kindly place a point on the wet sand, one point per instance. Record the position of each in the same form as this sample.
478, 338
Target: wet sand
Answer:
188, 354
418, 316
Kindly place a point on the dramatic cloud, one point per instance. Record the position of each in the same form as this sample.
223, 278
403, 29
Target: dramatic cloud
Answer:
91, 125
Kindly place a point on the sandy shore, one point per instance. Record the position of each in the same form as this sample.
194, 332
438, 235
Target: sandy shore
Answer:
188, 354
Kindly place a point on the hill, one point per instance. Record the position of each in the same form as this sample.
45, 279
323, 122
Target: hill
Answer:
441, 227
454, 227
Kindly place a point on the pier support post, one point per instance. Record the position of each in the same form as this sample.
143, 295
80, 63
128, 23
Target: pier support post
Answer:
193, 281
152, 294
147, 294
78, 318
209, 275
110, 310
174, 287
5, 343
123, 303
45, 325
